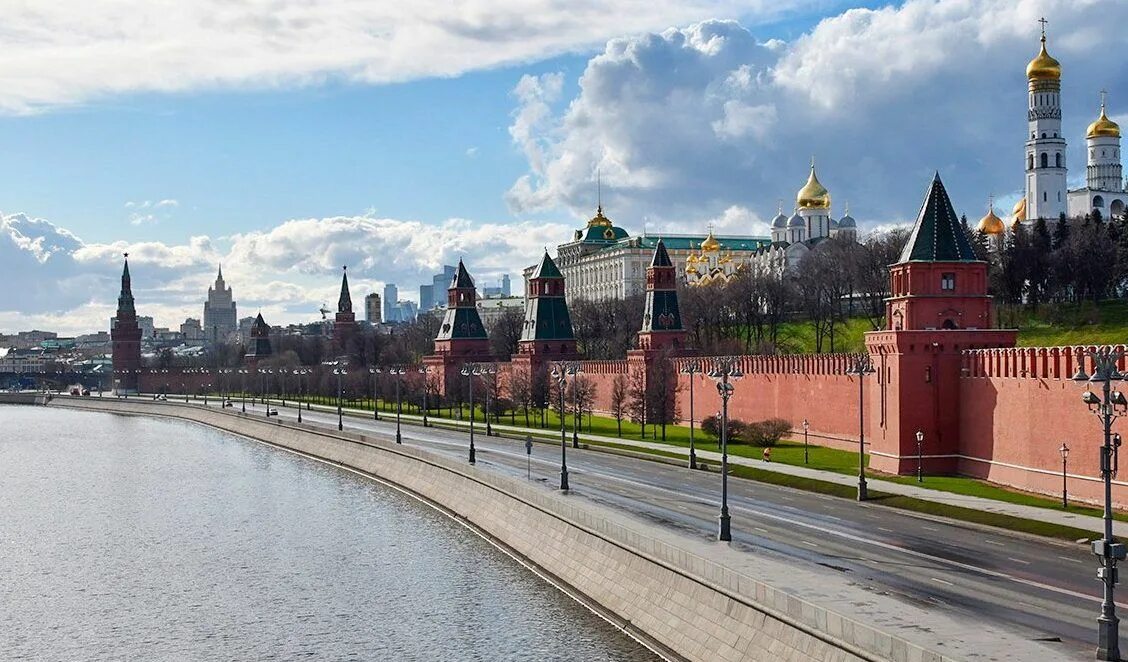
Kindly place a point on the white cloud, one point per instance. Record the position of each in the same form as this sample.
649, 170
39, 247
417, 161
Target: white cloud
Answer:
688, 123
148, 212
72, 51
57, 281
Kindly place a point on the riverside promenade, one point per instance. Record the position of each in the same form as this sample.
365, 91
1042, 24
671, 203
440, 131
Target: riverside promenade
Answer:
685, 596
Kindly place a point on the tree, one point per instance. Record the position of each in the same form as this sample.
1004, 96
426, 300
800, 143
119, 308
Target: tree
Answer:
520, 391
661, 392
504, 331
619, 395
1038, 263
1061, 232
636, 399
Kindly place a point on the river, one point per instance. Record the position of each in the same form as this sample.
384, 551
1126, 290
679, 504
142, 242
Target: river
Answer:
128, 538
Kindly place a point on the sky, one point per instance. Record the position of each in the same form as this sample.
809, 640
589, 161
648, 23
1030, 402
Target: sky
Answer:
285, 139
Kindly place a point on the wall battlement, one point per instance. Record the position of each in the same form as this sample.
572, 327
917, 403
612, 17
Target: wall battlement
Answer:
1030, 362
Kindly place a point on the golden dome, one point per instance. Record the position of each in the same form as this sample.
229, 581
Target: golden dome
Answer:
991, 224
1103, 127
1019, 211
690, 269
813, 195
692, 259
599, 220
1043, 67
710, 245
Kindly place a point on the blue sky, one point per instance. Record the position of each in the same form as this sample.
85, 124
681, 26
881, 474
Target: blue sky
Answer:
287, 144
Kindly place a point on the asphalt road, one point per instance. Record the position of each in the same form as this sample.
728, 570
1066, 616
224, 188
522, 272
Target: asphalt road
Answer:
1044, 587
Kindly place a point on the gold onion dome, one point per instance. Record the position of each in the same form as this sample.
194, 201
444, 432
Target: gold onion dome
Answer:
813, 195
1103, 127
710, 245
991, 224
1019, 210
1043, 67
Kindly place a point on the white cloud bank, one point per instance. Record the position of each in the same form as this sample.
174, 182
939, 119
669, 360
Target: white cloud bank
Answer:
70, 51
688, 123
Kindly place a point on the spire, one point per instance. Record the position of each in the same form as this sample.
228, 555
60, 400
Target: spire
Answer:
344, 303
938, 235
598, 192
661, 256
219, 278
547, 268
125, 298
462, 277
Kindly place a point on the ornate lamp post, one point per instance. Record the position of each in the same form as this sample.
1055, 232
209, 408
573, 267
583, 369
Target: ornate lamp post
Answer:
340, 372
398, 372
470, 371
243, 391
1108, 406
282, 372
300, 372
806, 452
862, 367
560, 373
576, 419
920, 456
491, 370
691, 368
725, 369
375, 409
1064, 450
424, 370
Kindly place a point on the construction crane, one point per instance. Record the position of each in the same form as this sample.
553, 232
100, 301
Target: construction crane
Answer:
324, 311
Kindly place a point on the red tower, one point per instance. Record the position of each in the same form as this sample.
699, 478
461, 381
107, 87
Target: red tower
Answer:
126, 338
462, 336
938, 308
662, 323
344, 324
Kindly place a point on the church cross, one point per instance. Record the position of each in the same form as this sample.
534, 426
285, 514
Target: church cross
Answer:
1043, 21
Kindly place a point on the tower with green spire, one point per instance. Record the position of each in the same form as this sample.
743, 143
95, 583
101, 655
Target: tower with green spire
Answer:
125, 337
661, 323
547, 333
462, 336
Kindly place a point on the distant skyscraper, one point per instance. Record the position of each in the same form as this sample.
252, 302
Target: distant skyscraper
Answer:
440, 283
506, 287
426, 297
391, 296
220, 319
372, 311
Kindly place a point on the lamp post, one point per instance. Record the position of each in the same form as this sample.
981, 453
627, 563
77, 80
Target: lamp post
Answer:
1064, 450
691, 368
423, 370
340, 372
920, 456
470, 371
375, 409
398, 373
560, 374
575, 404
862, 367
725, 369
491, 370
1108, 406
301, 372
243, 391
806, 429
282, 372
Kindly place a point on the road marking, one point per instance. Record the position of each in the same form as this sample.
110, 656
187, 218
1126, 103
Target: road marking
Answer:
937, 579
1019, 560
808, 542
882, 528
994, 542
760, 529
1066, 558
929, 528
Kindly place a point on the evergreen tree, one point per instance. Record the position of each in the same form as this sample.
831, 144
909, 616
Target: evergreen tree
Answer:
1061, 232
1037, 258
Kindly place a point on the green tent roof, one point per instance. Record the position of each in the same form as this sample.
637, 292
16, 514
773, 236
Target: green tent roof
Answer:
938, 235
547, 268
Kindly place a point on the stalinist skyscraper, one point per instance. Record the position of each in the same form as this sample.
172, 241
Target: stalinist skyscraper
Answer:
220, 318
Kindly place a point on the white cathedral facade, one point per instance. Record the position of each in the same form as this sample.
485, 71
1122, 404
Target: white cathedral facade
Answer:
1047, 195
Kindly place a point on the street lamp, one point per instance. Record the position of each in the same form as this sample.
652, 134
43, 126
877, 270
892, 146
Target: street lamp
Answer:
560, 373
491, 370
724, 369
470, 371
423, 370
1064, 450
1108, 406
691, 368
301, 390
806, 429
920, 456
398, 372
862, 367
340, 372
243, 392
282, 372
375, 409
576, 418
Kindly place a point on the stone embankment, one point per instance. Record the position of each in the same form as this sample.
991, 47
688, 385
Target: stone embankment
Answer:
24, 398
661, 588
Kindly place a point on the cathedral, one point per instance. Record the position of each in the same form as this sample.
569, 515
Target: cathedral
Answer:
1046, 193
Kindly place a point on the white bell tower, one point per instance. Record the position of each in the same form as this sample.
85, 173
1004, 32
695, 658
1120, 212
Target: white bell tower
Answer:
1045, 146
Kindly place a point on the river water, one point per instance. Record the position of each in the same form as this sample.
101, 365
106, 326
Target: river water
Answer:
126, 538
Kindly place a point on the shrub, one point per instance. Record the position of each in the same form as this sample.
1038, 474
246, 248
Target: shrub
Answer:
768, 432
737, 430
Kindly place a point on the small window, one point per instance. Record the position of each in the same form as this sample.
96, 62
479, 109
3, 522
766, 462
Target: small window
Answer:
1043, 134
1030, 162
1045, 160
948, 282
1045, 197
1057, 159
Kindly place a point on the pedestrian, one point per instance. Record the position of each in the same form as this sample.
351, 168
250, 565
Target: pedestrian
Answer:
767, 454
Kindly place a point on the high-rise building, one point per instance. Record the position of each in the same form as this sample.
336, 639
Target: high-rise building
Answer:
506, 286
220, 319
126, 338
426, 297
391, 296
192, 330
440, 282
372, 310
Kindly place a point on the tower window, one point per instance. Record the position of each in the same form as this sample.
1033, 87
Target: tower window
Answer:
1044, 196
1045, 160
948, 282
1057, 159
1043, 134
1029, 161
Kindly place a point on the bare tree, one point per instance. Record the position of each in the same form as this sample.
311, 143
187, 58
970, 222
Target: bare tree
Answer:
619, 396
505, 331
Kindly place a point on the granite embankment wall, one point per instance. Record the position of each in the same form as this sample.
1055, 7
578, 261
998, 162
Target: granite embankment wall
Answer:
680, 603
24, 398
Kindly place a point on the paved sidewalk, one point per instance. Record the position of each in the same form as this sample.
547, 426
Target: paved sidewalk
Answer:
918, 492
